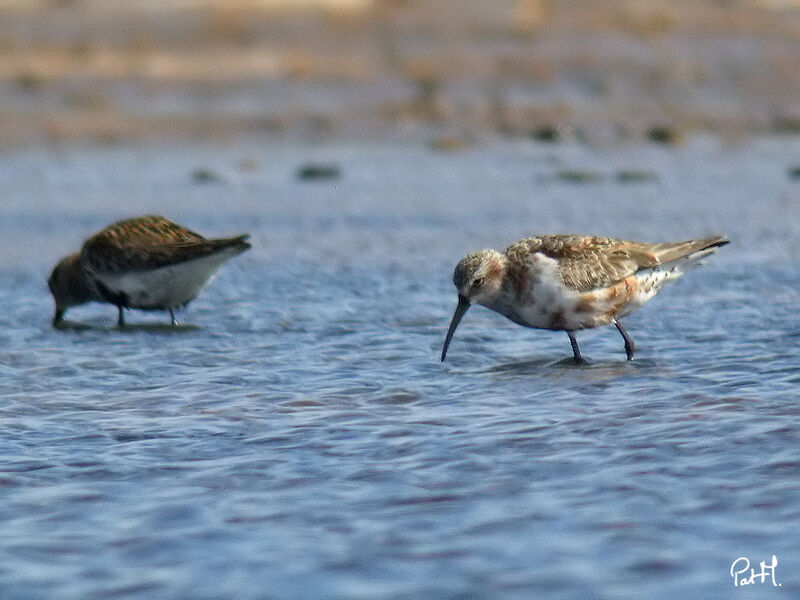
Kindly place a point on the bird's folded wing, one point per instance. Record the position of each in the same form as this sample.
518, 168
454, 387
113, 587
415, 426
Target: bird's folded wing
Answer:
105, 253
587, 262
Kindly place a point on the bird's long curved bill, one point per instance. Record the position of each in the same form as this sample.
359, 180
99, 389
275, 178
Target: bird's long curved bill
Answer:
463, 305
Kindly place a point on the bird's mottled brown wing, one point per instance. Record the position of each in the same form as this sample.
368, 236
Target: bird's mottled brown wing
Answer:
586, 262
147, 243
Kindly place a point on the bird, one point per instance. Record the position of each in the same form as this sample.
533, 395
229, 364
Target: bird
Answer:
569, 282
147, 263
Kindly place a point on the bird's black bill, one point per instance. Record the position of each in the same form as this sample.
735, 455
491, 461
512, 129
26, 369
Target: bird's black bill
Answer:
58, 318
463, 305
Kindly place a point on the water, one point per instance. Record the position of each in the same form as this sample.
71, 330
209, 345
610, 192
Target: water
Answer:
297, 435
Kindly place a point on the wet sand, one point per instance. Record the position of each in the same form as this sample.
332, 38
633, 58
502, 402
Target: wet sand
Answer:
452, 72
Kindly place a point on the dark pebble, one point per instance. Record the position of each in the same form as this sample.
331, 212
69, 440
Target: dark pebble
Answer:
578, 176
664, 135
308, 172
548, 133
203, 175
635, 176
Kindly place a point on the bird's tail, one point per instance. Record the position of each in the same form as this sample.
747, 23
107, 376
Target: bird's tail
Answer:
236, 245
690, 250
677, 257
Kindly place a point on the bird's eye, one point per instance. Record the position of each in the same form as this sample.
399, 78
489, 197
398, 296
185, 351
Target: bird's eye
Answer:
477, 283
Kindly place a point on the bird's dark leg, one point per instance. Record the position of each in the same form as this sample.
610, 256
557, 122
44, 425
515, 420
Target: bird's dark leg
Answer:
576, 352
629, 345
120, 318
172, 317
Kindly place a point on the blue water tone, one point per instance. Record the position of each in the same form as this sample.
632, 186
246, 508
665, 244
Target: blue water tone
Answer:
297, 436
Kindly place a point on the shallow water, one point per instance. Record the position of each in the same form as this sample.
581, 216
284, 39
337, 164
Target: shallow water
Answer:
297, 435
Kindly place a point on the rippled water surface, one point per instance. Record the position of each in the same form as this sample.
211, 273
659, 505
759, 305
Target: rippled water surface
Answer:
297, 435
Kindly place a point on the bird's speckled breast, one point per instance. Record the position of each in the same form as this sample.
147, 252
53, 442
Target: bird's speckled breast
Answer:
549, 304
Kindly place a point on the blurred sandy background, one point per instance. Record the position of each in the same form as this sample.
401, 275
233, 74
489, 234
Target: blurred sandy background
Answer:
603, 70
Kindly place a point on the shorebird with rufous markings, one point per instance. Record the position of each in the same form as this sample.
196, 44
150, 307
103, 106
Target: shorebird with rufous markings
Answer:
147, 263
572, 282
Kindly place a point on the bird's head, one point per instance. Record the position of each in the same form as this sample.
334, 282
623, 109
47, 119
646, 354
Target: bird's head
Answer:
478, 278
66, 287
